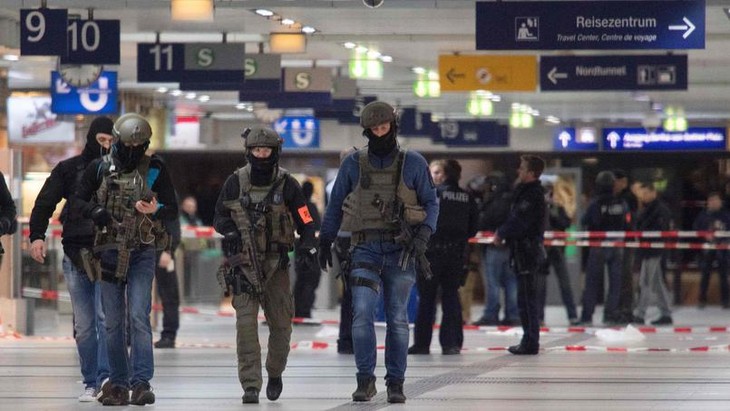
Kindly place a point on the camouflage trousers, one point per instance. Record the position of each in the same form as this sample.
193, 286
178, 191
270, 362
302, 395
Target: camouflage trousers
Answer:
278, 308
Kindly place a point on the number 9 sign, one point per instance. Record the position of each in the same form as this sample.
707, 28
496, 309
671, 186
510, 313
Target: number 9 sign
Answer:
43, 32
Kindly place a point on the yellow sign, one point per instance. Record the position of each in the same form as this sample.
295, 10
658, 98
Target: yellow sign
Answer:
493, 73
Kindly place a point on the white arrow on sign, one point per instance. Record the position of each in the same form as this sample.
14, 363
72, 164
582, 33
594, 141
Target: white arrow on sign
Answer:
553, 75
61, 87
688, 27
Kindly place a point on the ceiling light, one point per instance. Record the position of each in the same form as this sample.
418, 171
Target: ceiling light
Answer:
287, 22
190, 96
176, 93
418, 70
240, 106
373, 54
192, 10
264, 12
350, 45
11, 57
203, 98
308, 30
386, 59
552, 120
361, 49
162, 90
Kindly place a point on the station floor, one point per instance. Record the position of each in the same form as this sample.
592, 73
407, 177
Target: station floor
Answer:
686, 367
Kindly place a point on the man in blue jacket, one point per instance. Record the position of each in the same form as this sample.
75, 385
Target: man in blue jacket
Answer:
386, 198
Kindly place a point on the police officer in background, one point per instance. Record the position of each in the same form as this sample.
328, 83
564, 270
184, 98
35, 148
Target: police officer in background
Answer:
523, 232
78, 233
607, 212
307, 269
386, 198
257, 211
127, 194
457, 222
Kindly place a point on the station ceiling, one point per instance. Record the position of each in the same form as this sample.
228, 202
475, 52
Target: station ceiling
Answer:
413, 32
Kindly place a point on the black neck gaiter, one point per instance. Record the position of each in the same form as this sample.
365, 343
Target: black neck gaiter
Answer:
381, 146
129, 156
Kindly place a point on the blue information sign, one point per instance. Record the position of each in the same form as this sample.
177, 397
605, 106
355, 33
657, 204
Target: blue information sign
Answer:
613, 73
160, 62
699, 138
99, 98
298, 132
470, 133
413, 123
43, 32
573, 25
568, 139
92, 42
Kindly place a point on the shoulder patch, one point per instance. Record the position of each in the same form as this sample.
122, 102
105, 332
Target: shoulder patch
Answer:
304, 214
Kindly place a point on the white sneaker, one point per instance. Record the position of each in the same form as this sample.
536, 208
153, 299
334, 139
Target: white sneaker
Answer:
89, 395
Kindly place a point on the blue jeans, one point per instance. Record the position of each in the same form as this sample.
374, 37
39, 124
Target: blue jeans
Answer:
88, 322
397, 286
498, 275
137, 294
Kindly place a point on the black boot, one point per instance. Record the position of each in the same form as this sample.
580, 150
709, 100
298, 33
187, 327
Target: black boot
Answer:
250, 396
365, 389
118, 395
522, 349
273, 388
395, 393
142, 394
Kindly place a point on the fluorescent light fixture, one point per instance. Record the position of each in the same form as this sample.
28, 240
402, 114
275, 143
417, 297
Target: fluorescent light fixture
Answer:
11, 57
495, 98
192, 10
203, 98
162, 89
190, 96
361, 49
418, 70
264, 12
350, 45
241, 106
386, 59
287, 22
287, 43
373, 54
308, 30
176, 93
552, 120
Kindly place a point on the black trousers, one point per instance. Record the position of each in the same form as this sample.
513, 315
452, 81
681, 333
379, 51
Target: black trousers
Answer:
528, 304
167, 289
305, 287
447, 272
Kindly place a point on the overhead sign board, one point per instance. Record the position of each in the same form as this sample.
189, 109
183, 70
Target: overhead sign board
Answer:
470, 133
160, 62
626, 139
613, 73
573, 25
92, 42
211, 63
572, 139
308, 79
298, 132
43, 32
99, 98
262, 72
493, 73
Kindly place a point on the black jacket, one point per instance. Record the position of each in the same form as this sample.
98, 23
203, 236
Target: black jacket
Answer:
526, 218
78, 231
495, 210
7, 206
654, 217
457, 220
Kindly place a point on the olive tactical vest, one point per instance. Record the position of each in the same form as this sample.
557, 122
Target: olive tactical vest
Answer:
370, 205
269, 217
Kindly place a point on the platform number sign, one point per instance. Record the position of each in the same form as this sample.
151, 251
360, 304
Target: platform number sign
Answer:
43, 32
160, 62
92, 42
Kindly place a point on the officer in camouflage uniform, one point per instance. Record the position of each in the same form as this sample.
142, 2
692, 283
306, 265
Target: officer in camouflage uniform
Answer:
386, 198
127, 194
257, 210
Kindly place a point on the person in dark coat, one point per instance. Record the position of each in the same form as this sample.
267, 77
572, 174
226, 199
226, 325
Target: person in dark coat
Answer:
308, 274
714, 218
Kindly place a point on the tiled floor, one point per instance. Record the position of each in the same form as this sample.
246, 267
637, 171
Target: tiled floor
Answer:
671, 369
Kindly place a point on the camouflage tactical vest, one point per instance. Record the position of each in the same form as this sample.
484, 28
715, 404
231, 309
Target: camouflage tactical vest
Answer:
271, 225
370, 205
118, 192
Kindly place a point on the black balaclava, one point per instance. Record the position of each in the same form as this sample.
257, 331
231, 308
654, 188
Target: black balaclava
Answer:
129, 156
262, 169
384, 145
93, 149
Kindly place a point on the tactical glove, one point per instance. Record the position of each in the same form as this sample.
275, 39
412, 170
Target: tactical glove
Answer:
420, 240
101, 216
231, 243
8, 226
325, 254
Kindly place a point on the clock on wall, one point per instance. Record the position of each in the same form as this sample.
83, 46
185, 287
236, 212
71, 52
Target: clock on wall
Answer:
80, 75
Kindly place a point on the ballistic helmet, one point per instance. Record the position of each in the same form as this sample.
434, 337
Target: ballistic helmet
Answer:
132, 128
377, 113
261, 137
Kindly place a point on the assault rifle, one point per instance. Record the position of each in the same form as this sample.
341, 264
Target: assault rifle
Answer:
405, 238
